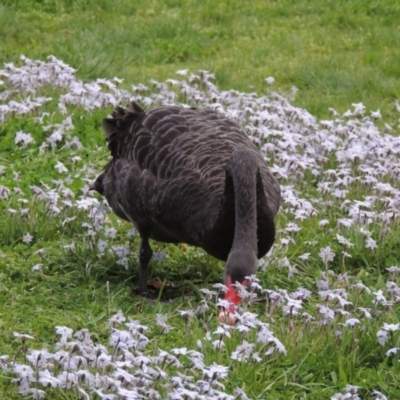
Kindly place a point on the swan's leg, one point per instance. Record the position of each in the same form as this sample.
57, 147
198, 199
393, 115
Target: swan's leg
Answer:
144, 258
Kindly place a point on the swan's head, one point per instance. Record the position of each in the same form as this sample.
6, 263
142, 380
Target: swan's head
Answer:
241, 263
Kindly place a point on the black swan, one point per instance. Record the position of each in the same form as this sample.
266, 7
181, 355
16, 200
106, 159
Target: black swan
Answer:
193, 176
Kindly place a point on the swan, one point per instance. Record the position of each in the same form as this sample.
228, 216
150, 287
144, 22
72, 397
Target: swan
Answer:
188, 175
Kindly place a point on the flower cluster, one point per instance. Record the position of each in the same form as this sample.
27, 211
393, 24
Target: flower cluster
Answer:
123, 369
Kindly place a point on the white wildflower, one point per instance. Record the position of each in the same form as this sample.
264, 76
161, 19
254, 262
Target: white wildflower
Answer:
326, 254
391, 327
67, 379
64, 332
340, 396
392, 352
394, 269
370, 243
352, 322
376, 114
102, 245
222, 330
37, 268
160, 321
117, 318
270, 80
110, 233
182, 72
379, 297
25, 372
243, 351
382, 336
23, 138
347, 223
365, 312
342, 240
378, 395
22, 336
323, 222
60, 167
304, 256
27, 238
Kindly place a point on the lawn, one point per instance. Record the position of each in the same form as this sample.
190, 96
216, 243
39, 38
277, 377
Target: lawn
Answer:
335, 52
325, 321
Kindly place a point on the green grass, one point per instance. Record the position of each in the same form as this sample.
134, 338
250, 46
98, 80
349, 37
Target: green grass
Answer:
335, 52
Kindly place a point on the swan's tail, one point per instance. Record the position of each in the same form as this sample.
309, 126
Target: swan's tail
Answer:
118, 128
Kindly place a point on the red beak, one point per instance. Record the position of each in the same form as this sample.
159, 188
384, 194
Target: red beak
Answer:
226, 315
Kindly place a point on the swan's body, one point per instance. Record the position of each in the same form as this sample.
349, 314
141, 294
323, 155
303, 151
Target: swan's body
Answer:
192, 176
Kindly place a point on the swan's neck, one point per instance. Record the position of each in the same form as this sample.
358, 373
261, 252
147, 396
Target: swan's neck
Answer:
242, 259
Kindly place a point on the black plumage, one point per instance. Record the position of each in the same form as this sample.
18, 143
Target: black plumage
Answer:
193, 176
